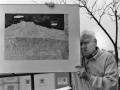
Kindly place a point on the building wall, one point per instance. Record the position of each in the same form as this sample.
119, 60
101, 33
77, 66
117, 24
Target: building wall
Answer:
9, 83
1, 83
1, 87
11, 79
10, 86
45, 81
24, 83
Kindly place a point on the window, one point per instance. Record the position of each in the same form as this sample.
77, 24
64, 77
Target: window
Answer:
42, 81
27, 82
10, 88
10, 78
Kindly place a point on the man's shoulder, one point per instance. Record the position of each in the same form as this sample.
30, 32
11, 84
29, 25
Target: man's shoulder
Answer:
103, 54
106, 54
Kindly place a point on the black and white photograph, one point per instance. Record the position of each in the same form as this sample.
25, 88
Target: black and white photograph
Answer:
36, 37
60, 45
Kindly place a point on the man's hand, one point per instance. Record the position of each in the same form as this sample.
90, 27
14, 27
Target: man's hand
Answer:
82, 73
50, 4
86, 76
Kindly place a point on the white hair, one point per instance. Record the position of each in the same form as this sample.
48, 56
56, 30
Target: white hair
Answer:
86, 34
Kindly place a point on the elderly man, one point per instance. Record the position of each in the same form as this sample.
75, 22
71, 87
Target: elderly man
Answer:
99, 70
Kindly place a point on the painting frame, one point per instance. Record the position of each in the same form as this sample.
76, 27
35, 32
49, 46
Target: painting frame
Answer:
25, 66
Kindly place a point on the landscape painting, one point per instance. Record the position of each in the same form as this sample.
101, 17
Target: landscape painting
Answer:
36, 37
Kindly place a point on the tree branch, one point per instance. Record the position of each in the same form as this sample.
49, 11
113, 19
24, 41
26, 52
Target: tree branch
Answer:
116, 27
91, 14
94, 4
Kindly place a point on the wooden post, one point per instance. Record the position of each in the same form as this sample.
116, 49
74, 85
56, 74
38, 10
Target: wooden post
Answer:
32, 82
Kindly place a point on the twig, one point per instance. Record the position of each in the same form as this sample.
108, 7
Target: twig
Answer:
35, 2
91, 14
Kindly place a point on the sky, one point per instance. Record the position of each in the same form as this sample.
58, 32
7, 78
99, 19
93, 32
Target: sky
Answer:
85, 23
103, 40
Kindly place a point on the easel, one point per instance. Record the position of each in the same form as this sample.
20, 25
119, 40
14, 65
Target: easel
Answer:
22, 74
25, 74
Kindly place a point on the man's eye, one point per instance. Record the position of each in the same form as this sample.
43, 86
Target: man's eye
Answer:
86, 43
81, 44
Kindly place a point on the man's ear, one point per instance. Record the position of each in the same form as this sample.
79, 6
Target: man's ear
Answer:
95, 40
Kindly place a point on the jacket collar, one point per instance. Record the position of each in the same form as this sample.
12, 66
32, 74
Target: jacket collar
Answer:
93, 54
97, 54
95, 57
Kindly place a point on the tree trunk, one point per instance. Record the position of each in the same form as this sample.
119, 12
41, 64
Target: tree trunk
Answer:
116, 53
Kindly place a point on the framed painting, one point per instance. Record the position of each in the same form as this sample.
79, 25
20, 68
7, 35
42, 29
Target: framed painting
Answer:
36, 38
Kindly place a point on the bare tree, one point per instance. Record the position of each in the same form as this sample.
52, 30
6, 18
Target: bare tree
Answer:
96, 12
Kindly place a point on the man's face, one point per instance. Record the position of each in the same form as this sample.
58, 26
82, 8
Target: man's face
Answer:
88, 46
